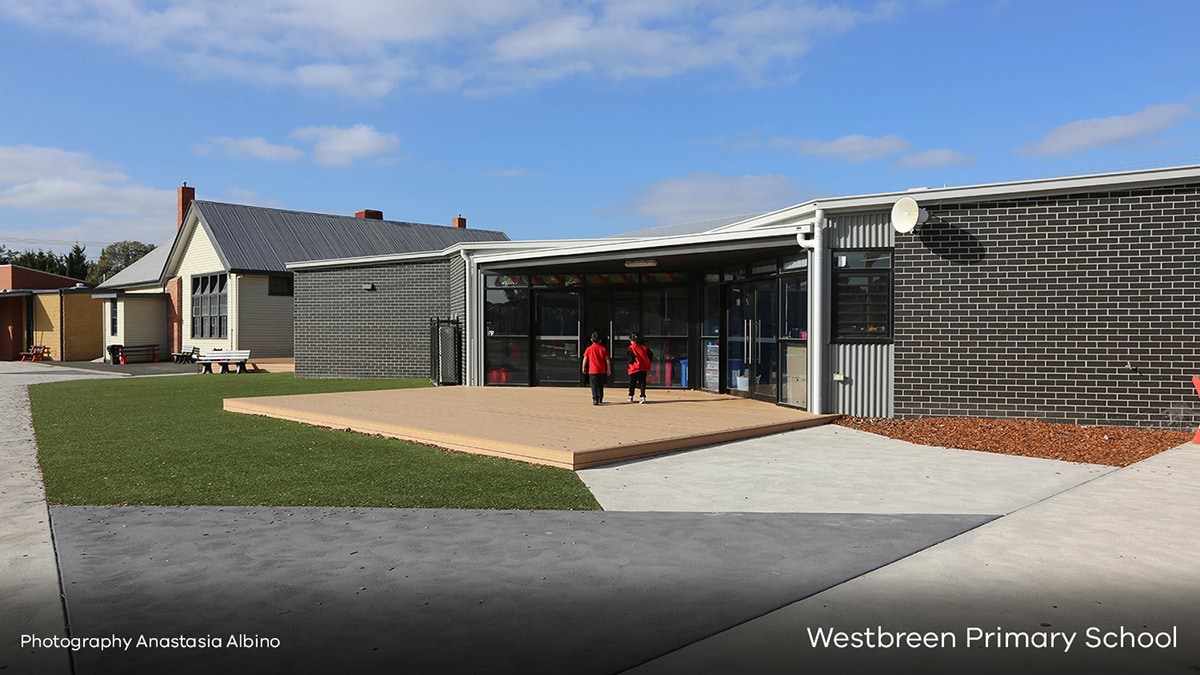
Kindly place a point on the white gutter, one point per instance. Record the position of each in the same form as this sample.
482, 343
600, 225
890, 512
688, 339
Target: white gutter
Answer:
680, 244
363, 261
1124, 180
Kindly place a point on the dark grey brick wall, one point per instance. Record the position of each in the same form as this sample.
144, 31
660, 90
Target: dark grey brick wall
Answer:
1033, 308
343, 331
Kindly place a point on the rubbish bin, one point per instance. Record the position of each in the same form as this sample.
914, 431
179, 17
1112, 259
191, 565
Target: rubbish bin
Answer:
114, 354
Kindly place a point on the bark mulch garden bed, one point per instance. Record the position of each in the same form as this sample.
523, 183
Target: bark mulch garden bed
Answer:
1113, 446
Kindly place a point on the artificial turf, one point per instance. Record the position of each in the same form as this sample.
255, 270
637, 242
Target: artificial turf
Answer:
166, 441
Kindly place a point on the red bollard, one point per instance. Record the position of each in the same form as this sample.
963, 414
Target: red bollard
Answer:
1196, 384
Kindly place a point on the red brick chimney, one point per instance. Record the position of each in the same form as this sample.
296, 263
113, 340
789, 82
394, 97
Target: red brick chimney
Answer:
370, 214
460, 222
186, 195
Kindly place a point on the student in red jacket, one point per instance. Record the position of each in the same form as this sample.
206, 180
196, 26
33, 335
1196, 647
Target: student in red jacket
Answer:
597, 366
640, 357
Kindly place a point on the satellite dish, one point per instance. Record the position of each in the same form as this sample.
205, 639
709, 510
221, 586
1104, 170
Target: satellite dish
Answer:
907, 215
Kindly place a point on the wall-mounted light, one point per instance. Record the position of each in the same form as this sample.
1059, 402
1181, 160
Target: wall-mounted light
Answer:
641, 263
368, 287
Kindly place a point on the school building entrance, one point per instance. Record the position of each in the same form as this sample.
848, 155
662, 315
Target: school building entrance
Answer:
717, 322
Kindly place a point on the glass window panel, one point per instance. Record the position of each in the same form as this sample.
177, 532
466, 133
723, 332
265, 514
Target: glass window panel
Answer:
858, 260
711, 375
799, 262
670, 362
795, 308
861, 304
507, 311
795, 374
675, 311
711, 326
506, 360
663, 277
763, 267
652, 311
506, 281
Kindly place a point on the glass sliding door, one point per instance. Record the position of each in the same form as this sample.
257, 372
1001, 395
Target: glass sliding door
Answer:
736, 342
794, 342
506, 342
753, 340
557, 353
764, 338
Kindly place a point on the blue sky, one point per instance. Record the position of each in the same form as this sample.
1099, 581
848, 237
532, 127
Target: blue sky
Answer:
566, 118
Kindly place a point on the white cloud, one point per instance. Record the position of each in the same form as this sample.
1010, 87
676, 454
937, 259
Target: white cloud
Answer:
45, 185
934, 158
254, 147
367, 48
1087, 134
337, 146
852, 148
30, 162
702, 196
514, 172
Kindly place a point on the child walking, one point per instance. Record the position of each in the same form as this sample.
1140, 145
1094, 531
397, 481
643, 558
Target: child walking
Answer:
639, 365
597, 366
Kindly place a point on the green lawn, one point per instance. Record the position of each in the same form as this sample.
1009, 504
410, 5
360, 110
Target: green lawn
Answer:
166, 441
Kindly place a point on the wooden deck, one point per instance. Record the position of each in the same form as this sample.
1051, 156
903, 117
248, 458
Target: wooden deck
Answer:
273, 365
541, 425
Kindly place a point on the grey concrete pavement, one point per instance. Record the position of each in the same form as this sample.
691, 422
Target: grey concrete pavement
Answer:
398, 590
832, 469
1120, 551
30, 600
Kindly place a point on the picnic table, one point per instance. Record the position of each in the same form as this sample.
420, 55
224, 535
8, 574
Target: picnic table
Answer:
36, 353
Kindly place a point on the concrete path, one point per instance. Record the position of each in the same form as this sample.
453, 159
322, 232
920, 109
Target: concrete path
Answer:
833, 469
1118, 551
30, 599
400, 590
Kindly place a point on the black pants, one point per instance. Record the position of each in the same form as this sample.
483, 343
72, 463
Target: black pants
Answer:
636, 380
597, 382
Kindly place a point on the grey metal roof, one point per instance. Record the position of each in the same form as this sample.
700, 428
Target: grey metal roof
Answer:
145, 270
254, 238
695, 227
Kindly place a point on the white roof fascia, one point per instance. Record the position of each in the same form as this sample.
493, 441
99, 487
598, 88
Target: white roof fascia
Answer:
1124, 180
646, 246
364, 261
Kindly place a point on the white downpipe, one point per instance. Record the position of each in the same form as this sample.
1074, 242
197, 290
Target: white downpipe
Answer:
819, 302
470, 318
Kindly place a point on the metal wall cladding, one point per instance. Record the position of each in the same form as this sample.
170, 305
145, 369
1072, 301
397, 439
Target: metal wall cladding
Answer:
869, 369
868, 389
861, 230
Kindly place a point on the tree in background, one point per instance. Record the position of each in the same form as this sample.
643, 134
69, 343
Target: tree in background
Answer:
46, 261
76, 262
116, 257
73, 264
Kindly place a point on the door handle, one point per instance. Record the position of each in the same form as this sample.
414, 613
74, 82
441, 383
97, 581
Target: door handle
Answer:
757, 340
749, 341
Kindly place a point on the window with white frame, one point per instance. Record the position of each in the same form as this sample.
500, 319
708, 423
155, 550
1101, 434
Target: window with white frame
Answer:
210, 306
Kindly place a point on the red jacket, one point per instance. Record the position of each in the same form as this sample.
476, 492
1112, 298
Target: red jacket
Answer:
639, 355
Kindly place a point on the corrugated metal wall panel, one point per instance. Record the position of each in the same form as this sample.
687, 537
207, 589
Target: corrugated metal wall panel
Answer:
862, 230
868, 390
